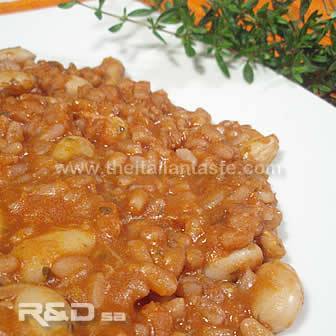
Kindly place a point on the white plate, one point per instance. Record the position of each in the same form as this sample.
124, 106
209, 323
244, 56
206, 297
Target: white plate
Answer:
304, 123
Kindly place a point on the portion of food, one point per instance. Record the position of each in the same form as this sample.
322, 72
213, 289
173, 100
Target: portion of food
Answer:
112, 196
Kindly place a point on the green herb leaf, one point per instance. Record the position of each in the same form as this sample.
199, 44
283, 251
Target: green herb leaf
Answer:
250, 4
304, 6
297, 75
323, 88
169, 16
248, 73
159, 36
99, 10
98, 13
188, 47
332, 67
221, 63
116, 27
67, 5
141, 12
180, 31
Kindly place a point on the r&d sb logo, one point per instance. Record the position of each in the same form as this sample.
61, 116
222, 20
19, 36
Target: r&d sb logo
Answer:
58, 312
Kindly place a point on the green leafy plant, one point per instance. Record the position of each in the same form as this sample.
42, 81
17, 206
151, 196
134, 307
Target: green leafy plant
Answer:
233, 29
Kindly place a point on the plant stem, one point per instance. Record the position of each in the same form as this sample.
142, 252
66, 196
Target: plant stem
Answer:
123, 19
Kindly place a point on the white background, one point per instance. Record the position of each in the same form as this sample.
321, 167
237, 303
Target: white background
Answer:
304, 124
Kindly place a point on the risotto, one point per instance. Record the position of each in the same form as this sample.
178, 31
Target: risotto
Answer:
161, 222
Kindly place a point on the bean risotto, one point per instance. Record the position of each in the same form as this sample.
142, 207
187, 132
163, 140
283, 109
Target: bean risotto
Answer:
159, 219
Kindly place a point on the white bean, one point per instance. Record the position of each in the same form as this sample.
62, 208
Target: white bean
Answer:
17, 54
159, 280
53, 132
72, 146
71, 265
139, 251
251, 327
194, 258
272, 245
266, 196
8, 264
42, 251
224, 268
24, 293
97, 289
137, 200
211, 312
186, 155
115, 128
277, 296
190, 287
74, 83
18, 78
176, 307
43, 295
262, 150
247, 280
113, 71
174, 260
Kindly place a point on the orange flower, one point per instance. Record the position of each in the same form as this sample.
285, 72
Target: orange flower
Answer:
196, 6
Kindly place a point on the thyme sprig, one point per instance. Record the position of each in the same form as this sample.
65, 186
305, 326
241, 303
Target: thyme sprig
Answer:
234, 29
